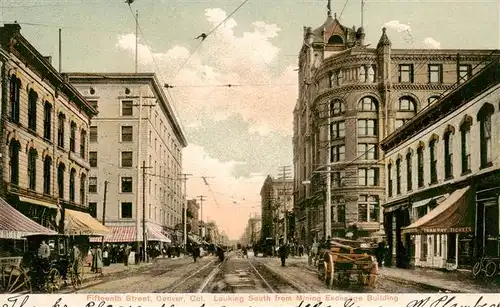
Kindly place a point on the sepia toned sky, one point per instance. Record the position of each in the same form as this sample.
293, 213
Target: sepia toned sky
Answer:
239, 134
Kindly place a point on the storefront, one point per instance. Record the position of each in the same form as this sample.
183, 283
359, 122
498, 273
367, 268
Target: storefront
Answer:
487, 222
43, 211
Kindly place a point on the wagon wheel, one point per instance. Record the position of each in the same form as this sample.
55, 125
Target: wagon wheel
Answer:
14, 280
77, 273
476, 269
490, 269
53, 281
330, 271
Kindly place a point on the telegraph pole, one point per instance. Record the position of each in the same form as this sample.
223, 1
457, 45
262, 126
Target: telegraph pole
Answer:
184, 215
284, 176
104, 207
202, 198
144, 239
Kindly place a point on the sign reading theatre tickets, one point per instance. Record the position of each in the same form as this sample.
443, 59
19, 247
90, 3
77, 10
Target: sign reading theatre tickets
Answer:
251, 300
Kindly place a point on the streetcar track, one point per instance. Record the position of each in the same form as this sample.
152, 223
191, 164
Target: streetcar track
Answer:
276, 276
184, 279
260, 276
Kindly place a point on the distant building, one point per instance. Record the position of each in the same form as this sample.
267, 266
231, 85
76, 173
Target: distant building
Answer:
443, 178
44, 136
277, 209
120, 147
193, 215
351, 96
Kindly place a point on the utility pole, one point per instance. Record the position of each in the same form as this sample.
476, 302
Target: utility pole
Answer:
144, 239
202, 198
327, 209
104, 207
184, 215
136, 38
60, 50
286, 170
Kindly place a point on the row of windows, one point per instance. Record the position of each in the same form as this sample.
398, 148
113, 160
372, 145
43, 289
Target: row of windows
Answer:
14, 152
366, 151
485, 155
368, 209
126, 211
15, 87
126, 133
434, 73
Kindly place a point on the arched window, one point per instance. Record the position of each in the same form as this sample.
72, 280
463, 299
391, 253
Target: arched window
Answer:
47, 174
14, 149
61, 168
448, 152
409, 167
83, 179
14, 89
32, 156
484, 119
406, 103
335, 39
60, 130
72, 178
420, 166
83, 142
367, 104
398, 176
72, 137
465, 144
32, 100
406, 110
47, 121
362, 73
336, 107
433, 160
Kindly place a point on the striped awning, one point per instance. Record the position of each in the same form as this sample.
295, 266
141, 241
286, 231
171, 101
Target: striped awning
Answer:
155, 234
120, 234
14, 225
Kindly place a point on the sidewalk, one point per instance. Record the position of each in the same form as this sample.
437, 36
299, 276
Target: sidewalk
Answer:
453, 281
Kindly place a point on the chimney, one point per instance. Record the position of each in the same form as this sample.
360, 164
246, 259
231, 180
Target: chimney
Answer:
48, 59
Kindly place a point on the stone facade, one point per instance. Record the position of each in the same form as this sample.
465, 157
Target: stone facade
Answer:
193, 215
350, 97
44, 135
119, 149
452, 145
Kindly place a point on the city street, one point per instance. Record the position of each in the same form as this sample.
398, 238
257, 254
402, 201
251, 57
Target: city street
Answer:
235, 275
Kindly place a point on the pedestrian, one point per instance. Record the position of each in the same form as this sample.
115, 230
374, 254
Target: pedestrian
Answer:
106, 260
97, 260
126, 254
283, 252
196, 252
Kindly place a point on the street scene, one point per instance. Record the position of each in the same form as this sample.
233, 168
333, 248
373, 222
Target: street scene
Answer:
236, 147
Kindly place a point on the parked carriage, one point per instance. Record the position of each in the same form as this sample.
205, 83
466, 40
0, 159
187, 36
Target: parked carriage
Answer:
348, 262
28, 273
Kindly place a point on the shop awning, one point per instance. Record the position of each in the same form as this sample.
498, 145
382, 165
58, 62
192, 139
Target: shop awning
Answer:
195, 239
14, 225
78, 223
38, 202
120, 234
452, 215
155, 234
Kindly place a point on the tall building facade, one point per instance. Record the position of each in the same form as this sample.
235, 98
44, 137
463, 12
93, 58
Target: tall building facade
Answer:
277, 209
350, 97
44, 135
136, 147
193, 216
443, 176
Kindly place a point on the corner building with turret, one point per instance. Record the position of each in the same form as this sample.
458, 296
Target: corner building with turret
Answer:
351, 96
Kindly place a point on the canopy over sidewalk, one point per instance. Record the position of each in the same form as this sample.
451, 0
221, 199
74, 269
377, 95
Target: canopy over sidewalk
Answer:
14, 225
127, 234
78, 223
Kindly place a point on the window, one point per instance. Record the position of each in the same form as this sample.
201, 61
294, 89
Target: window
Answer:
362, 73
338, 210
32, 155
367, 127
420, 166
465, 144
126, 210
337, 153
83, 149
92, 184
432, 99
14, 149
367, 151
368, 176
126, 159
409, 166
149, 211
72, 137
127, 108
406, 73
72, 179
60, 130
337, 130
448, 154
406, 104
333, 79
367, 104
336, 108
15, 87
47, 121
93, 103
61, 168
389, 180
126, 184
93, 158
32, 100
127, 134
433, 160
398, 176
368, 208
93, 209
47, 174
83, 178
337, 179
484, 119
93, 134
464, 72
435, 73
423, 247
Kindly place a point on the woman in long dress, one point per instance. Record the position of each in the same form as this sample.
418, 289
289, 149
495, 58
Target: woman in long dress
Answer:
98, 260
